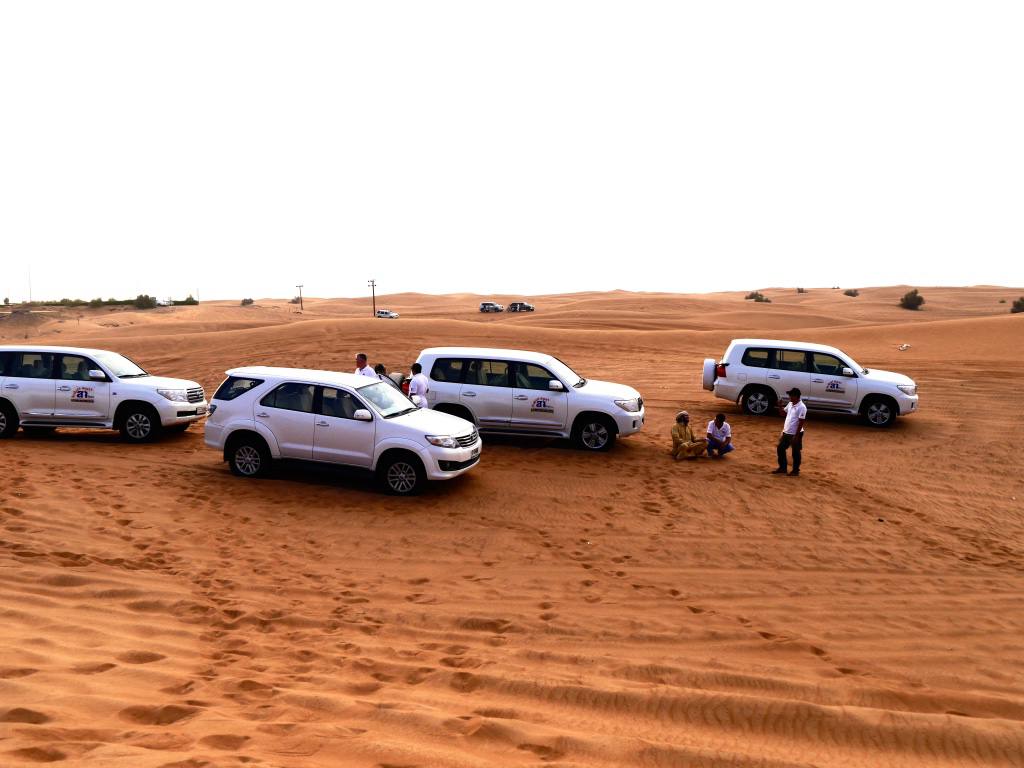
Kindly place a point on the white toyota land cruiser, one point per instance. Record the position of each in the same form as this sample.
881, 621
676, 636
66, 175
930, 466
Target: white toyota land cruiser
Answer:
260, 414
516, 392
42, 388
758, 372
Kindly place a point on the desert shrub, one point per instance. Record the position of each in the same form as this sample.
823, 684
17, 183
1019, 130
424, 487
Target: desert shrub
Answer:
1002, 301
756, 296
144, 301
851, 292
801, 290
187, 302
1018, 305
295, 300
912, 300
247, 302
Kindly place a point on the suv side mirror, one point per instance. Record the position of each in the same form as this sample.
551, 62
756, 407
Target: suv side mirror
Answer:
362, 415
97, 375
848, 373
555, 386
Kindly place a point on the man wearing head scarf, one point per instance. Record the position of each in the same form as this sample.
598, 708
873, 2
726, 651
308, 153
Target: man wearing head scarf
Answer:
685, 445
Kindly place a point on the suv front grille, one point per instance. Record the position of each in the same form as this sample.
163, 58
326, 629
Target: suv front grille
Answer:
467, 440
195, 395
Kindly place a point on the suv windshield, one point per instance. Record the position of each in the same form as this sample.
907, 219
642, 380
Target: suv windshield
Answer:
120, 366
386, 399
565, 373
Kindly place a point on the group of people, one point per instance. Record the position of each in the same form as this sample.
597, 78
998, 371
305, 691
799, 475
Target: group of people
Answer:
419, 385
717, 442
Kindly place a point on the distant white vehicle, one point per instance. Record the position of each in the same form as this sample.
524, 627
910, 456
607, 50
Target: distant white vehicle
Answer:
42, 388
757, 373
387, 314
259, 415
530, 393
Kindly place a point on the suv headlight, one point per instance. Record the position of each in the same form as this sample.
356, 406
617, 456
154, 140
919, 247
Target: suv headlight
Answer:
632, 406
907, 389
443, 441
174, 395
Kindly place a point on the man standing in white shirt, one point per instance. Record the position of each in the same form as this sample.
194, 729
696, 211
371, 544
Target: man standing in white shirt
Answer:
363, 367
719, 437
419, 386
792, 433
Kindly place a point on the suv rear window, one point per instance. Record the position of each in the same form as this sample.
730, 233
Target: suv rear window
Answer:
756, 358
31, 365
234, 386
4, 359
448, 369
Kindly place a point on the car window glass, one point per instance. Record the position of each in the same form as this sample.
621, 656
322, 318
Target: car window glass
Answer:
791, 360
291, 397
529, 376
755, 358
5, 358
829, 365
488, 373
234, 386
339, 404
75, 368
447, 369
32, 365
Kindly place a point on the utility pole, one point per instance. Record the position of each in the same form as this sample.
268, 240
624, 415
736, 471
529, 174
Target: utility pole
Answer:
373, 294
301, 307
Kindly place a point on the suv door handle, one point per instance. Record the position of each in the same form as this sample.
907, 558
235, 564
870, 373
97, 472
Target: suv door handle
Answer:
322, 424
263, 415
818, 381
469, 394
521, 397
64, 389
774, 376
10, 386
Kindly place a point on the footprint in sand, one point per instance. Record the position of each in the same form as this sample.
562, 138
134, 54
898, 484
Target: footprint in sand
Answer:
139, 657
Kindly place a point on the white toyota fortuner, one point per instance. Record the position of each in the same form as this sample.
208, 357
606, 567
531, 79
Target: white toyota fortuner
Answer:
42, 388
758, 372
260, 414
517, 392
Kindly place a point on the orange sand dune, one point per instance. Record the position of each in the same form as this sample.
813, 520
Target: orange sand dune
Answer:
550, 608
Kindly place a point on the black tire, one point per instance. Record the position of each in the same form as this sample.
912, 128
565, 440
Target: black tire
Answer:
38, 431
8, 421
249, 457
594, 433
139, 424
759, 401
880, 412
402, 474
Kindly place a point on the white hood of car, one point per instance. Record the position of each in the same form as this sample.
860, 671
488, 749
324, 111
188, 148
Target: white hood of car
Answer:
431, 422
887, 377
161, 382
607, 389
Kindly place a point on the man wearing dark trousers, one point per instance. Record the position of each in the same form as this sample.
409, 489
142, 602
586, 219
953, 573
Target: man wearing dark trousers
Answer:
792, 432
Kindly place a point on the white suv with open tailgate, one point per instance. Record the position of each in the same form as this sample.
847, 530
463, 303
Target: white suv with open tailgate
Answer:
261, 414
758, 372
516, 392
42, 388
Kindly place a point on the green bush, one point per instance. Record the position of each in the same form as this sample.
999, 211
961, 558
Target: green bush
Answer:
187, 302
758, 297
1018, 305
851, 292
144, 301
246, 302
912, 300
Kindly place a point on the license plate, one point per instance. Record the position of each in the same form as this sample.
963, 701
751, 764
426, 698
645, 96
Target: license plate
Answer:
474, 453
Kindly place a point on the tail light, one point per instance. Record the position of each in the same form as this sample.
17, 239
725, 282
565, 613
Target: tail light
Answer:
405, 387
720, 371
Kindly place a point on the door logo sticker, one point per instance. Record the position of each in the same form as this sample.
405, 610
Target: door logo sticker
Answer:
541, 405
83, 395
835, 386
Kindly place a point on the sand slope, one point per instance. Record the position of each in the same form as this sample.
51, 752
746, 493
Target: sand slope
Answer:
550, 608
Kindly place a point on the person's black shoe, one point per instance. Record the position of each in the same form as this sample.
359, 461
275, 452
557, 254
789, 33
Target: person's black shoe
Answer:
778, 472
794, 473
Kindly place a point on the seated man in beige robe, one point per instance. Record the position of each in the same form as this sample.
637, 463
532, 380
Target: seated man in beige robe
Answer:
686, 445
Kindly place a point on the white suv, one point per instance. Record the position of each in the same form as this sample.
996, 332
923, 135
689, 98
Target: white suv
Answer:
261, 414
517, 392
758, 372
386, 314
42, 388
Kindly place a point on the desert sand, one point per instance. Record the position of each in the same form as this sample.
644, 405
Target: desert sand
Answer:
550, 607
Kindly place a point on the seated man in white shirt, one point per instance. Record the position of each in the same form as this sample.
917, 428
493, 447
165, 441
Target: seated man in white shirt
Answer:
719, 437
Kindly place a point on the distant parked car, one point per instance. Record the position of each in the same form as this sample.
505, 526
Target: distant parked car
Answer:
490, 306
520, 306
387, 314
758, 372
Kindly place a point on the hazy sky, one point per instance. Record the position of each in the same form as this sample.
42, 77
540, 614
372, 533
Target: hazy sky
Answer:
239, 148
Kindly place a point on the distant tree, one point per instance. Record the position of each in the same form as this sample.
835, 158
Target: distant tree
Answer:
1018, 305
851, 292
295, 300
189, 301
144, 301
7, 302
96, 303
246, 302
912, 300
